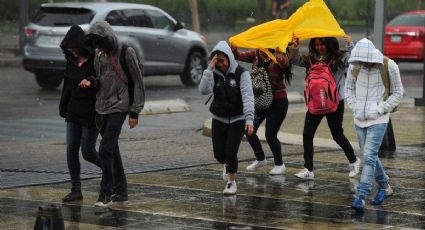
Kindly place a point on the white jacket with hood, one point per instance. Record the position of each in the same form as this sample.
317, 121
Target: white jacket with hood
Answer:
207, 84
365, 93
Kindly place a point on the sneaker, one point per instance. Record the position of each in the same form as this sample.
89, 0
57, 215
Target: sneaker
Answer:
381, 195
358, 204
73, 196
256, 164
123, 198
278, 170
224, 173
305, 174
103, 201
230, 188
354, 168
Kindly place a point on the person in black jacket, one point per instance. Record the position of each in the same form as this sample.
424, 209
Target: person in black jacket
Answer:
77, 106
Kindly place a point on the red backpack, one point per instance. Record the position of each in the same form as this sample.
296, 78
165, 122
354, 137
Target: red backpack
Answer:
321, 92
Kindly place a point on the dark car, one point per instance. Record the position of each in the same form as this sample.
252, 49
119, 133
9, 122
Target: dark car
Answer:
161, 42
405, 37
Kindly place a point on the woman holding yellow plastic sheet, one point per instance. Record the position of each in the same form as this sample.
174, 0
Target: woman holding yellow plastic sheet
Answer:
279, 74
325, 50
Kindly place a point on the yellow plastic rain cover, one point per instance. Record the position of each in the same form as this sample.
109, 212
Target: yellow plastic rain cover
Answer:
312, 20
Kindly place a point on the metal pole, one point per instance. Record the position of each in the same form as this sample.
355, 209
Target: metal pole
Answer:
421, 101
23, 21
379, 24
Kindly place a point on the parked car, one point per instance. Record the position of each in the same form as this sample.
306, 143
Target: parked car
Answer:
405, 37
162, 43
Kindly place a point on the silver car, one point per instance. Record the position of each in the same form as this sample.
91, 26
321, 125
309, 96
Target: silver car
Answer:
162, 43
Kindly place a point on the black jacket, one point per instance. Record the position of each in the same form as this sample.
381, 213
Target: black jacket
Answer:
77, 105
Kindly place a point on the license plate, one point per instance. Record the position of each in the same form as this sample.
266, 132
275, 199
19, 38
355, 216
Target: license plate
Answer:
49, 41
395, 39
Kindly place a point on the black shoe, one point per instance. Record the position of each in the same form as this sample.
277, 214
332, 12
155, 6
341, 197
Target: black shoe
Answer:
72, 196
103, 201
120, 198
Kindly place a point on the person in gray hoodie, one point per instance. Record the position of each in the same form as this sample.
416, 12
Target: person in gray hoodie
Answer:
115, 98
371, 106
232, 109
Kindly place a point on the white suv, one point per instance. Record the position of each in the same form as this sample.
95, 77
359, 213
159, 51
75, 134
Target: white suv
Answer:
162, 43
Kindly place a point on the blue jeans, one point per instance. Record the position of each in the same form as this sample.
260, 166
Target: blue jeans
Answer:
370, 139
274, 117
114, 180
76, 136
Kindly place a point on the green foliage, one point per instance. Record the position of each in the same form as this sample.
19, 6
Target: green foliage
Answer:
228, 13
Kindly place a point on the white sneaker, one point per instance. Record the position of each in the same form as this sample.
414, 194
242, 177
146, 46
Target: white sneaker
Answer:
305, 174
256, 164
230, 188
278, 170
354, 168
224, 173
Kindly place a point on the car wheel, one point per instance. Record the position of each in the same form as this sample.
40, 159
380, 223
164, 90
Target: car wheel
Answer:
194, 68
48, 82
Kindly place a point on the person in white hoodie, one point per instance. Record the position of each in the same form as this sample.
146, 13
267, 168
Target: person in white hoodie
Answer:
232, 109
365, 95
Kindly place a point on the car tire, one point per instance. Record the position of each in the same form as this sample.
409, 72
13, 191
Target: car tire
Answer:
194, 68
48, 82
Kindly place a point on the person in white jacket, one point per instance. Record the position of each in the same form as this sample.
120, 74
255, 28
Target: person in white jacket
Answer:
365, 95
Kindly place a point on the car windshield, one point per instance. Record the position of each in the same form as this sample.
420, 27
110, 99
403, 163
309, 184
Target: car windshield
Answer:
61, 16
408, 20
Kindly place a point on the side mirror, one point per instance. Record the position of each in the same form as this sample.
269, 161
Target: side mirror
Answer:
178, 26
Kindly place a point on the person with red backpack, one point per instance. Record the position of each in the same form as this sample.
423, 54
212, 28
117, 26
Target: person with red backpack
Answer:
326, 67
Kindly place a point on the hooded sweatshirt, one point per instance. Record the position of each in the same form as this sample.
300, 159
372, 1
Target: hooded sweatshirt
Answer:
112, 95
207, 83
365, 93
77, 105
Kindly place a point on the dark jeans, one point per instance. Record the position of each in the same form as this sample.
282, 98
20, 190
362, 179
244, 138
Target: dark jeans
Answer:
274, 117
334, 120
226, 139
114, 180
76, 136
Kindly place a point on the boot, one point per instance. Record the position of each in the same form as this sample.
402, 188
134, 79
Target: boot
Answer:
75, 194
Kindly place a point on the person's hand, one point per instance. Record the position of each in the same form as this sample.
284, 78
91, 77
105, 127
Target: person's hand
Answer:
84, 84
347, 39
249, 129
213, 61
295, 41
133, 122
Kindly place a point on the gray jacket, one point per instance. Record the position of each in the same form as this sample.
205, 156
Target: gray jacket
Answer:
111, 81
207, 84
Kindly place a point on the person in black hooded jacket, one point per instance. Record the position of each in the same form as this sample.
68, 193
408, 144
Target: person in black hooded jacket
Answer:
77, 106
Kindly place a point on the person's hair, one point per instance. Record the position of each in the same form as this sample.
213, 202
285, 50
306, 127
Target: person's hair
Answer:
332, 49
287, 72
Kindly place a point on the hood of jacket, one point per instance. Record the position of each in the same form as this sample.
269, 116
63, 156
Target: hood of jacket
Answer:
104, 30
223, 47
365, 51
75, 38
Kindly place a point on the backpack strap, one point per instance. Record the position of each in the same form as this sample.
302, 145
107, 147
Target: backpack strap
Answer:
385, 77
122, 60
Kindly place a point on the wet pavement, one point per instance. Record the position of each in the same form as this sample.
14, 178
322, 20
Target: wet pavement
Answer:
191, 198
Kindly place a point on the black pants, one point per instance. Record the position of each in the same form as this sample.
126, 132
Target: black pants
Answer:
226, 139
274, 117
114, 180
335, 125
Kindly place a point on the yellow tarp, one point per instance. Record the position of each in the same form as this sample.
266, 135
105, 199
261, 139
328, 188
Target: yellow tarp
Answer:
313, 19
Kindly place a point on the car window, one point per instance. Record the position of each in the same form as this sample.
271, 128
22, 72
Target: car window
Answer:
137, 18
159, 20
62, 16
408, 20
115, 18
